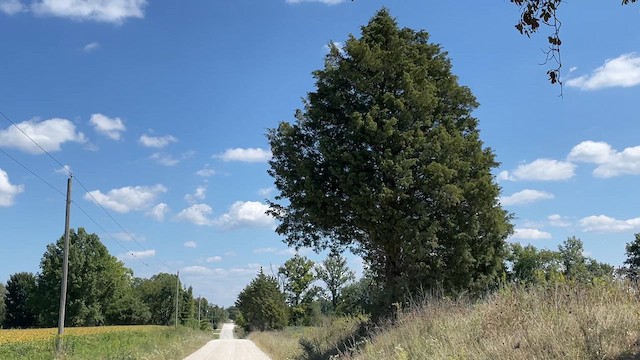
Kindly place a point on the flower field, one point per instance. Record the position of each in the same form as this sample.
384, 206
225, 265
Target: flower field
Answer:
24, 335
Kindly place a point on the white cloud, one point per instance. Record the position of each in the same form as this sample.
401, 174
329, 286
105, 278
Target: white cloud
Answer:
197, 214
110, 11
50, 134
109, 127
191, 244
11, 7
8, 191
623, 71
158, 212
230, 253
540, 170
328, 2
214, 259
265, 191
250, 155
137, 254
199, 195
123, 236
66, 170
127, 198
558, 220
206, 171
168, 159
246, 213
603, 223
610, 161
92, 46
156, 141
530, 234
526, 196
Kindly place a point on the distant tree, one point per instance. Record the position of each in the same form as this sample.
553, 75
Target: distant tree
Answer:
633, 258
232, 312
336, 274
3, 307
298, 285
386, 157
573, 259
530, 265
96, 279
159, 294
359, 297
261, 304
128, 310
19, 301
218, 316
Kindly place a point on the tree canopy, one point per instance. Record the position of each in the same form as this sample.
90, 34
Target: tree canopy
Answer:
262, 305
386, 158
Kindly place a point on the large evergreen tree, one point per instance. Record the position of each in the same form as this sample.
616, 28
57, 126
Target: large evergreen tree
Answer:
20, 301
262, 305
386, 157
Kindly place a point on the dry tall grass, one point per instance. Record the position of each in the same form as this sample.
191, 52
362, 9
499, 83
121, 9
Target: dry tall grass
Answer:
558, 322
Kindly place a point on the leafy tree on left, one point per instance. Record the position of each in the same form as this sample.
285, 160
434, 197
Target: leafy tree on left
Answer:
19, 301
96, 281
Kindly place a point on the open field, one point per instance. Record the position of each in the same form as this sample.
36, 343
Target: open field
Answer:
554, 322
104, 342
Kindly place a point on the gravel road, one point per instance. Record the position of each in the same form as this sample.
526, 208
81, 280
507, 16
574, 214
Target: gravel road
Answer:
228, 348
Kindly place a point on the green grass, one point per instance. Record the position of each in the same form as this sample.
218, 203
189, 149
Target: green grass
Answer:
554, 322
155, 343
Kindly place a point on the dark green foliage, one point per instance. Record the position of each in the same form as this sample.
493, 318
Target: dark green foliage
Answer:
159, 294
298, 279
128, 310
336, 274
633, 258
261, 304
20, 301
3, 307
96, 279
386, 158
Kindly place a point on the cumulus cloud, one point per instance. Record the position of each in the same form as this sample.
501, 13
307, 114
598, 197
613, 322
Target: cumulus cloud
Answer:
609, 161
623, 71
109, 127
328, 2
137, 254
526, 196
191, 244
109, 11
158, 212
128, 198
156, 141
213, 259
530, 234
558, 220
246, 213
207, 171
65, 170
603, 223
250, 155
197, 214
8, 191
50, 134
168, 159
11, 7
540, 170
92, 46
199, 195
266, 192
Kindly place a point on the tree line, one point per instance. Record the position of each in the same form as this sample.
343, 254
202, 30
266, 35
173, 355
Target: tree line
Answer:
101, 291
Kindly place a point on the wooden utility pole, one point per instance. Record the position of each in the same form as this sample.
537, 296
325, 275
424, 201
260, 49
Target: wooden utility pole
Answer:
65, 268
177, 294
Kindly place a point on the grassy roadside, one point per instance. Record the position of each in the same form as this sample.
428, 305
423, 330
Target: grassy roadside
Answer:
148, 342
555, 322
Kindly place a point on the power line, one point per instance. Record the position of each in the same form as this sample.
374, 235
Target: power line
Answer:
87, 191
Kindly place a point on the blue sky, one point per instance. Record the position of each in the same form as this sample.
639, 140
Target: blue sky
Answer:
160, 108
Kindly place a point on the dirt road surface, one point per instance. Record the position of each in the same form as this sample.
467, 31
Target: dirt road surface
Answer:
228, 348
